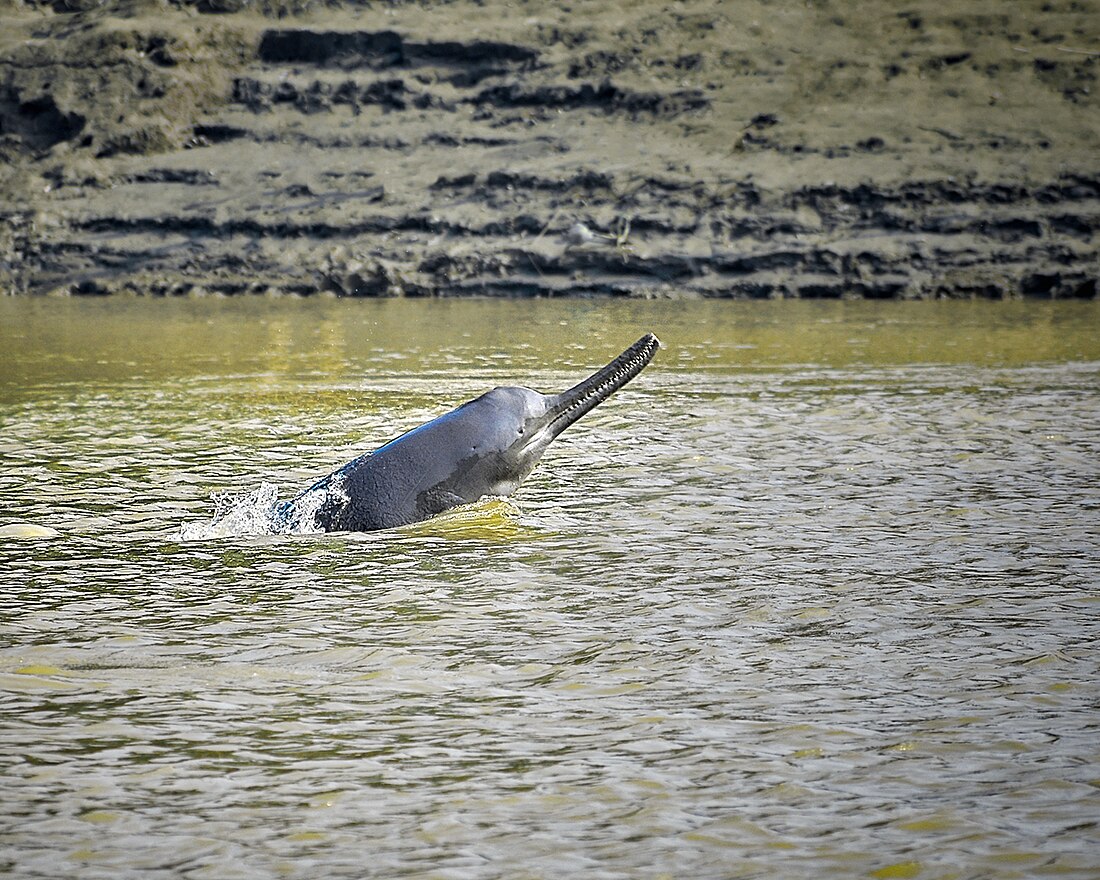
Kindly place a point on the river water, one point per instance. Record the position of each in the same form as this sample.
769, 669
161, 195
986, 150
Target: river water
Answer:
815, 596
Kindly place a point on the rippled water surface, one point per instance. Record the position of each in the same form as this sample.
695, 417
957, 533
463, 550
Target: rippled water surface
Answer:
815, 596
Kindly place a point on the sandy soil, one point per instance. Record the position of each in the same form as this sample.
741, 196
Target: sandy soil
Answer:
746, 148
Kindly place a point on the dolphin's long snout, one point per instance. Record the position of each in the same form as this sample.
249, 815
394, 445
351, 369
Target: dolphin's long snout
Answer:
582, 398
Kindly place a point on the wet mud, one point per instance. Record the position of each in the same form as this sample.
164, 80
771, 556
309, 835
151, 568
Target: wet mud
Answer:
719, 149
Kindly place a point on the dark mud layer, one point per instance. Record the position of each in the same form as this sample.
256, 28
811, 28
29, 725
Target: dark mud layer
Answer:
744, 149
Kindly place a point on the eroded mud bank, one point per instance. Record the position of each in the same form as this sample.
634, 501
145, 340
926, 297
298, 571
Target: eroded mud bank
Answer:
748, 149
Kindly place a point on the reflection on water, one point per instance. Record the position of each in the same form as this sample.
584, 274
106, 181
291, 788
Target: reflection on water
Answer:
815, 596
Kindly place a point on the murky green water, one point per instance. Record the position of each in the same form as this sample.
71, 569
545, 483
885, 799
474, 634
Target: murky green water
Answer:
815, 596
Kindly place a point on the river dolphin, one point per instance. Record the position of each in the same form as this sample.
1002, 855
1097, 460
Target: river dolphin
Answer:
486, 447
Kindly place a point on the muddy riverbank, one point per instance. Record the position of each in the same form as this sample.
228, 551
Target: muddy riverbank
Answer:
720, 149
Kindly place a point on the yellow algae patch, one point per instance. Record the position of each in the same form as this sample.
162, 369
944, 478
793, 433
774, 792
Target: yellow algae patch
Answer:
809, 753
38, 669
100, 817
900, 871
307, 836
27, 531
930, 824
490, 519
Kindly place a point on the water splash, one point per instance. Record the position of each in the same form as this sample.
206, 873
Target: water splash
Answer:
234, 514
260, 512
252, 513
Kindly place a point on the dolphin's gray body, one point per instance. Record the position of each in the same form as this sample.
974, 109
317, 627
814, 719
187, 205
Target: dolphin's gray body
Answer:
485, 447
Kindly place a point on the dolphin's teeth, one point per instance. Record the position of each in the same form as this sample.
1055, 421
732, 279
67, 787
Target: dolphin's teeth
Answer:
621, 374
